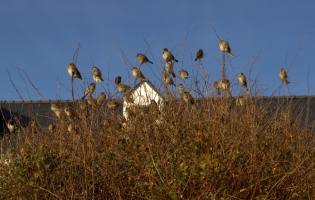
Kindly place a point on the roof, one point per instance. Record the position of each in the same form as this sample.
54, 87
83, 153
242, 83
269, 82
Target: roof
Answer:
26, 110
150, 84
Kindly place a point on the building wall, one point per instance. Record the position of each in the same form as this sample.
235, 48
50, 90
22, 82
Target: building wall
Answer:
142, 97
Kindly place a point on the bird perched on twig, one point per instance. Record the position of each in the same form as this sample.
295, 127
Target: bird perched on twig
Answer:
169, 67
181, 89
189, 99
138, 74
283, 76
199, 55
117, 80
82, 104
168, 56
91, 101
101, 99
224, 84
56, 110
97, 74
83, 108
51, 128
72, 128
168, 79
184, 74
111, 104
216, 87
142, 59
186, 96
11, 126
69, 110
32, 126
128, 98
121, 87
74, 72
89, 90
240, 101
225, 47
242, 80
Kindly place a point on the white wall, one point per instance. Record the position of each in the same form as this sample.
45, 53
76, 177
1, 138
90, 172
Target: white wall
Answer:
142, 96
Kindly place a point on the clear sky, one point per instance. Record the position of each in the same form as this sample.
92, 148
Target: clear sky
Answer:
41, 37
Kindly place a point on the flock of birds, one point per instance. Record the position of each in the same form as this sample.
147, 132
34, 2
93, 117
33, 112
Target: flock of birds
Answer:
222, 85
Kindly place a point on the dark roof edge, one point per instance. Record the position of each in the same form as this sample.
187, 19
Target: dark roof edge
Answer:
45, 101
257, 97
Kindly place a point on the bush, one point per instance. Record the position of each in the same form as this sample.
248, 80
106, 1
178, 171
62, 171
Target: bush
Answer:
219, 151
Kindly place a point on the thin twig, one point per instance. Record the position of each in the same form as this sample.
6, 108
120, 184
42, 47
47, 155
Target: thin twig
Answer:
214, 30
76, 54
29, 80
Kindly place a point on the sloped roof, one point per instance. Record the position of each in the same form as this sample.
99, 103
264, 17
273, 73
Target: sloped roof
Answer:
150, 84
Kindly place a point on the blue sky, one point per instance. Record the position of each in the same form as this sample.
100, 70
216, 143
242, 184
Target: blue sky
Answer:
41, 37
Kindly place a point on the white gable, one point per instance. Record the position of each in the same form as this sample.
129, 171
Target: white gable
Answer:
142, 96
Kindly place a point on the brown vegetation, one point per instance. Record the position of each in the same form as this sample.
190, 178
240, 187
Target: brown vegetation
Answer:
227, 151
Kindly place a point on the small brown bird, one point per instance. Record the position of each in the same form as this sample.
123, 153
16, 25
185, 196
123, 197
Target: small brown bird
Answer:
181, 89
283, 76
82, 104
101, 99
89, 90
225, 47
74, 72
184, 74
111, 104
91, 101
56, 110
242, 80
70, 128
137, 73
240, 101
188, 98
142, 59
225, 85
168, 56
216, 87
69, 110
51, 128
117, 80
122, 87
83, 107
168, 79
128, 98
32, 126
11, 126
199, 55
97, 74
169, 67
